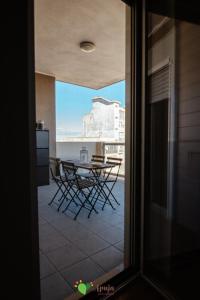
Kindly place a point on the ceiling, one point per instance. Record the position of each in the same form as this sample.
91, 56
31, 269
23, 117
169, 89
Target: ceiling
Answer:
61, 25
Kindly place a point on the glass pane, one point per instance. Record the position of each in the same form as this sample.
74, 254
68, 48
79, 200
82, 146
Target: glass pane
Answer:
172, 208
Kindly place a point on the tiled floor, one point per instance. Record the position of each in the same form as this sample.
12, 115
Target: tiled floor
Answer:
82, 249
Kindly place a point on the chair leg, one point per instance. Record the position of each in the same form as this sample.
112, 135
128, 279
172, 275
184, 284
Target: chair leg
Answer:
82, 205
71, 200
84, 202
110, 192
114, 198
93, 203
106, 198
59, 189
93, 208
101, 191
67, 191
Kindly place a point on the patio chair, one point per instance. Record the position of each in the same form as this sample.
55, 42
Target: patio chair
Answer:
54, 165
60, 180
101, 173
83, 189
110, 178
102, 177
68, 177
98, 158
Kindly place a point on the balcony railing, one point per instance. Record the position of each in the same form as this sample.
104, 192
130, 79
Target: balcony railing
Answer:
116, 150
71, 150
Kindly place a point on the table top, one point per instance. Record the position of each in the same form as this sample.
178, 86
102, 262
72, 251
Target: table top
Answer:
90, 165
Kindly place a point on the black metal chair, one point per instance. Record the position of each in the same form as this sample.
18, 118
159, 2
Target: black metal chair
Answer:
98, 174
83, 190
103, 178
54, 164
62, 185
68, 177
110, 178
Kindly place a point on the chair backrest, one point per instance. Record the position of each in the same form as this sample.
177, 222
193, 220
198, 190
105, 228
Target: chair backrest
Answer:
69, 169
116, 162
98, 158
54, 164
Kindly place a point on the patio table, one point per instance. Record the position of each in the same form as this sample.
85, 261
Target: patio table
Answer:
90, 165
96, 169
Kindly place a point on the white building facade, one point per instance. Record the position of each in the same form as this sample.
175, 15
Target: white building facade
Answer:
106, 121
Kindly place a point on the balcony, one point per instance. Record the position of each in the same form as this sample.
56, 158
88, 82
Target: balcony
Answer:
83, 249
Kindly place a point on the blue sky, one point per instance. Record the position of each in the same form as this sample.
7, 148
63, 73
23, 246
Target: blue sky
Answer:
73, 102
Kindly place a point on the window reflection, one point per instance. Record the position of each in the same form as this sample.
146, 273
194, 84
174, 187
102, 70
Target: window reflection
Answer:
172, 221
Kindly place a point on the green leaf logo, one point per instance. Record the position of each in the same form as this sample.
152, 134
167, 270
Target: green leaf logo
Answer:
83, 287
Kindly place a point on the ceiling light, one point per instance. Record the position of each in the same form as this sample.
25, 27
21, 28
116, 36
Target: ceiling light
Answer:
87, 46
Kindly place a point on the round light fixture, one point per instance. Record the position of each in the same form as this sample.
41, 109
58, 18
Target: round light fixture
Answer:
87, 46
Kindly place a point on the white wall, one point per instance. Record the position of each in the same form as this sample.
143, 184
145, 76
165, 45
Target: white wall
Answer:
71, 150
45, 106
